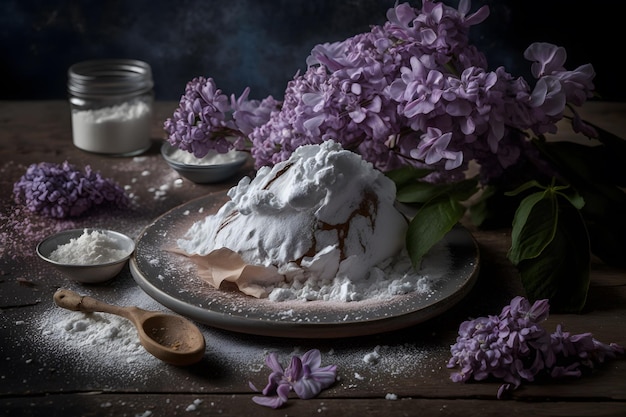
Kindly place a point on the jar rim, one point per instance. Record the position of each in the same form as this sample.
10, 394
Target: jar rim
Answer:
107, 77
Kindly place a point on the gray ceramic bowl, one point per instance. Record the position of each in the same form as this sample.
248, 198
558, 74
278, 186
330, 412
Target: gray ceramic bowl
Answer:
91, 273
202, 173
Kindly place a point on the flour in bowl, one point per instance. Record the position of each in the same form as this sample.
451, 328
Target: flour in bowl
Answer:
212, 158
90, 248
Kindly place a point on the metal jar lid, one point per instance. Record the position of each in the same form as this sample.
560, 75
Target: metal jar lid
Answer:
109, 77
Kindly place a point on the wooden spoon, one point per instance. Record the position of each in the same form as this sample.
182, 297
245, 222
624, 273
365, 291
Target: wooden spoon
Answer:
172, 339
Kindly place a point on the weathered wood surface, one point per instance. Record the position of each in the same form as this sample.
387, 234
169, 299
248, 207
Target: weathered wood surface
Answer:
32, 383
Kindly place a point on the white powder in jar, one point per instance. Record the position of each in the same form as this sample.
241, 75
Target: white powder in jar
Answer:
122, 129
90, 248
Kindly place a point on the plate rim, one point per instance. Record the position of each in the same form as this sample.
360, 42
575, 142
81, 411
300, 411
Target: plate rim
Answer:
308, 329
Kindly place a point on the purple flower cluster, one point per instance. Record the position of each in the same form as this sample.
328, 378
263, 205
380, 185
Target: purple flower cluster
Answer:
413, 91
62, 190
513, 347
304, 376
205, 119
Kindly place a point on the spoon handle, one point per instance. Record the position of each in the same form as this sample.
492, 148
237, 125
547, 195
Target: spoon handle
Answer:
73, 301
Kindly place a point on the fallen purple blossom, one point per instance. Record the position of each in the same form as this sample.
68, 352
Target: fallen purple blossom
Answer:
304, 376
62, 190
513, 347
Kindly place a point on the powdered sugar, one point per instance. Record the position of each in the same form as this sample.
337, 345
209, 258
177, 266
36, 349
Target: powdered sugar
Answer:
118, 129
372, 357
324, 222
393, 277
20, 231
212, 158
448, 268
98, 342
90, 248
98, 330
105, 344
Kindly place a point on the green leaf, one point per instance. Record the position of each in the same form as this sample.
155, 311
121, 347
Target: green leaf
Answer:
561, 272
418, 192
480, 210
422, 191
430, 224
463, 190
534, 226
407, 174
596, 173
575, 199
524, 187
600, 197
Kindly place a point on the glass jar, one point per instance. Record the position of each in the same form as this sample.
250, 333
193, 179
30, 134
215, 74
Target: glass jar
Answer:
111, 102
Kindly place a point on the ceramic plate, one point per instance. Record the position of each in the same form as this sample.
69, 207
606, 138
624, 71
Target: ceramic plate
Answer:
171, 280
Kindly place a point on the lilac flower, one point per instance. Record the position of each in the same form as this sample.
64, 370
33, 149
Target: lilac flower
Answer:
201, 123
433, 148
514, 347
546, 58
247, 114
579, 126
62, 190
549, 60
381, 92
304, 376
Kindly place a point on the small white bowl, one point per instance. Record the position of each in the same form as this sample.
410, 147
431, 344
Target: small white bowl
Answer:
87, 273
203, 172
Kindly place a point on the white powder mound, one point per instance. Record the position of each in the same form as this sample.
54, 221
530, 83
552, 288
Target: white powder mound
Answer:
123, 112
212, 158
118, 129
93, 247
324, 216
99, 343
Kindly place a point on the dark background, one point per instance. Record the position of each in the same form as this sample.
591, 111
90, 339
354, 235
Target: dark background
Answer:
262, 43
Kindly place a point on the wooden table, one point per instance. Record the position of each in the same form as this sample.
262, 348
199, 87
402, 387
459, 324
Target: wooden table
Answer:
39, 377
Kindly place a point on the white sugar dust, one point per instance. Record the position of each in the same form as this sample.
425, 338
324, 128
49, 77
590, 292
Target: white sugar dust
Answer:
322, 224
90, 248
